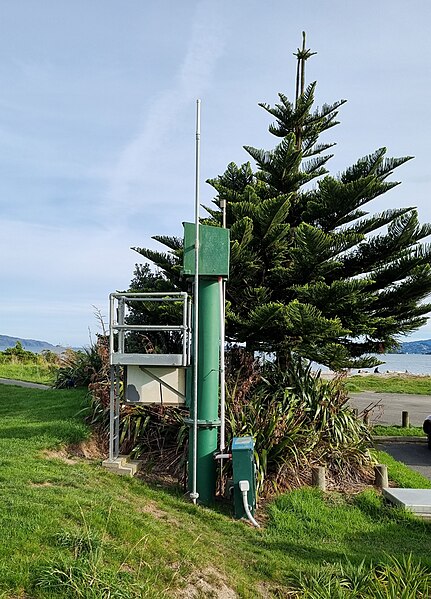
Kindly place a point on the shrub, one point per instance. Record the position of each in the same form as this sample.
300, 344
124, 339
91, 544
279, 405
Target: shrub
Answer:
395, 578
78, 368
297, 420
19, 354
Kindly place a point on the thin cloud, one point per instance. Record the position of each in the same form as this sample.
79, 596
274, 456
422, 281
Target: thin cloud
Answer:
193, 79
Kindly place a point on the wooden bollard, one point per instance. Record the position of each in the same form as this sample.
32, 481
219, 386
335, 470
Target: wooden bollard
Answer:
366, 418
405, 420
318, 477
381, 476
356, 412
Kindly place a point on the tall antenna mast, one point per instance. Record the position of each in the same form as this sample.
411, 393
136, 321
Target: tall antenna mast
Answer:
194, 494
302, 55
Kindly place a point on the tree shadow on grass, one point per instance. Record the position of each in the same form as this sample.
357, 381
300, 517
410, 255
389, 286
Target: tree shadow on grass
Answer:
56, 431
387, 531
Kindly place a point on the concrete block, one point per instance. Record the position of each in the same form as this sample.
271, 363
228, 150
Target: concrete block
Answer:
417, 501
122, 465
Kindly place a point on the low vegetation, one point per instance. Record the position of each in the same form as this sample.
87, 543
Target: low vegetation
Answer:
71, 529
399, 383
297, 420
397, 431
22, 365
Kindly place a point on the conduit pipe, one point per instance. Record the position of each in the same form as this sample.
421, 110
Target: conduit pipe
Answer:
244, 487
194, 494
222, 368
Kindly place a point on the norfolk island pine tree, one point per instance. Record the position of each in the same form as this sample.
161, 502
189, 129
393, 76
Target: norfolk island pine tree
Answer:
312, 270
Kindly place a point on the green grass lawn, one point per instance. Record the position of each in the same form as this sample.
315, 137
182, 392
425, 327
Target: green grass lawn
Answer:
33, 373
69, 528
397, 431
416, 385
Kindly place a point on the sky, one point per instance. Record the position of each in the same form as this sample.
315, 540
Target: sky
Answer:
97, 127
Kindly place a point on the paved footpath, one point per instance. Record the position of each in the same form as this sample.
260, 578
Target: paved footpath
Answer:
415, 455
387, 410
387, 407
23, 384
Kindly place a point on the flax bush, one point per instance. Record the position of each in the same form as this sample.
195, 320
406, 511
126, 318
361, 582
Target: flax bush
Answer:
394, 579
297, 420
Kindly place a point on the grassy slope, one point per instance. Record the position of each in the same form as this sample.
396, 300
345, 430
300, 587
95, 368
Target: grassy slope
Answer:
33, 373
140, 541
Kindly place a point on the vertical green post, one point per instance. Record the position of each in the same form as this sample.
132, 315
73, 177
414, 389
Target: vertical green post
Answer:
208, 388
213, 263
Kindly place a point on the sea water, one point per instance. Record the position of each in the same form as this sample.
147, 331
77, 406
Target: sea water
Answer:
411, 363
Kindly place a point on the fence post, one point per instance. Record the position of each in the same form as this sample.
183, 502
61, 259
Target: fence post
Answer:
405, 420
381, 476
318, 477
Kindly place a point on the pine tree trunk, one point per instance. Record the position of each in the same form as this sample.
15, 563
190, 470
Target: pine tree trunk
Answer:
283, 359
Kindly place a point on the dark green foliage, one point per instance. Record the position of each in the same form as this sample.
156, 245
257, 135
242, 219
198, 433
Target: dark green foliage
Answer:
78, 368
154, 313
18, 354
296, 420
312, 270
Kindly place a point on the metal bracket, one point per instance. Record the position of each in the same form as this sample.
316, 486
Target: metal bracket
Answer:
204, 423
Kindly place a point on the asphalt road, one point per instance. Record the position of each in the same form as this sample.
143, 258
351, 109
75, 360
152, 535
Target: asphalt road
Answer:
386, 408
415, 455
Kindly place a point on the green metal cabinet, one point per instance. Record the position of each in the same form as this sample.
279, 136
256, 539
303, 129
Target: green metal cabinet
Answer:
213, 250
243, 469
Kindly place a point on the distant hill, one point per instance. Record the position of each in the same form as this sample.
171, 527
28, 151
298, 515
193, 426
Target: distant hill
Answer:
415, 347
29, 344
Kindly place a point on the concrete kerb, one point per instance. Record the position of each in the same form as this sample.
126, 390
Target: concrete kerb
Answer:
399, 439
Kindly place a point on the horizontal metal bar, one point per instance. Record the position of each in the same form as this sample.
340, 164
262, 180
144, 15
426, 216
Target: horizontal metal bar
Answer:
148, 359
175, 295
149, 327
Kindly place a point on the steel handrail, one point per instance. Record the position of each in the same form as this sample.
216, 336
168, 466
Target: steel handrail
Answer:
117, 317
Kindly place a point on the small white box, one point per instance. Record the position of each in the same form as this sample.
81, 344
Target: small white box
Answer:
155, 384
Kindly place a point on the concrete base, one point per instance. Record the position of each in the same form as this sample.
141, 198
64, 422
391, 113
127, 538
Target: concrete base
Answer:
123, 465
417, 501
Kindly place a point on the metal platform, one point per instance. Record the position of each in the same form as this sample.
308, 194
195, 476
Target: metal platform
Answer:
417, 501
124, 359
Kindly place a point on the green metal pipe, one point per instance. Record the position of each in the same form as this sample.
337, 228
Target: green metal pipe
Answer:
208, 389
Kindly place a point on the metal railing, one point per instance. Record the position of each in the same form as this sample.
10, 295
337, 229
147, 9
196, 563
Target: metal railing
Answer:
118, 328
118, 355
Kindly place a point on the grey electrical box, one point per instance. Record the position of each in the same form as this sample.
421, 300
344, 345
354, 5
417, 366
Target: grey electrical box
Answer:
155, 384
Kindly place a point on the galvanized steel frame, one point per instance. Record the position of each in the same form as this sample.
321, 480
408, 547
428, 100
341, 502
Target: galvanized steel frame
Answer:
118, 358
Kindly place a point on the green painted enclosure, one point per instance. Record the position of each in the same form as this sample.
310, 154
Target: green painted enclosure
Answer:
213, 250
